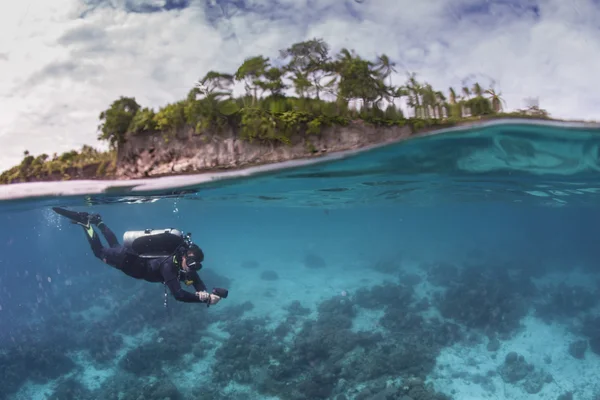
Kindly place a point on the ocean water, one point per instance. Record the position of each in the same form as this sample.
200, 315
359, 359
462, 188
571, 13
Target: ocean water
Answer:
463, 265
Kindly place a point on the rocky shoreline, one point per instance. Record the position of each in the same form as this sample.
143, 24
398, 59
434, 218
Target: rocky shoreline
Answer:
149, 155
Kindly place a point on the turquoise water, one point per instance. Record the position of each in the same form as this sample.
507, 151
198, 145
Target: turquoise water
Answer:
423, 269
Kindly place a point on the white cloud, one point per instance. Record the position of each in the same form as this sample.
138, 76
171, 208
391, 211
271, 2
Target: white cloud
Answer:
60, 71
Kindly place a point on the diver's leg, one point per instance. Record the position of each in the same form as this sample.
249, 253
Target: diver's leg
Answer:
114, 256
108, 234
94, 240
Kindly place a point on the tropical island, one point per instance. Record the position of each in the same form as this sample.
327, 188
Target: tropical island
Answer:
211, 129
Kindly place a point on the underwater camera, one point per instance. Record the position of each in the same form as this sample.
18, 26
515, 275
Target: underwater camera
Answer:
222, 293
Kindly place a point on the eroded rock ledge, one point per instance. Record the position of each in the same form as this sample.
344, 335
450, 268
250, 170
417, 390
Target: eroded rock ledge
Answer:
154, 154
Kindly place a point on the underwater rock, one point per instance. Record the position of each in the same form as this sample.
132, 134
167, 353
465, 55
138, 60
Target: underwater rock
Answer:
489, 300
511, 357
565, 396
296, 309
313, 261
493, 344
415, 388
235, 312
269, 275
386, 394
577, 349
386, 266
40, 362
387, 295
595, 345
148, 358
514, 368
485, 381
441, 274
162, 389
250, 264
70, 389
565, 301
535, 381
364, 394
103, 345
410, 279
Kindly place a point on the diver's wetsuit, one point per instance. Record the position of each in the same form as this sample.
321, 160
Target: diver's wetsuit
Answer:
164, 269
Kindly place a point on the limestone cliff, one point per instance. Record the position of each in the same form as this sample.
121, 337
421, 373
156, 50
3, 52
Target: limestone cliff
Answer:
154, 154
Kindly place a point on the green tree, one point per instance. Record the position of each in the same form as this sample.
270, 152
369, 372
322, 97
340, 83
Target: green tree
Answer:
216, 85
143, 121
359, 80
210, 102
309, 64
274, 81
251, 73
414, 91
116, 120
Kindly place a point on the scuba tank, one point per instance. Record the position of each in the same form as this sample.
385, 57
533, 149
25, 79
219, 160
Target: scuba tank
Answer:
152, 243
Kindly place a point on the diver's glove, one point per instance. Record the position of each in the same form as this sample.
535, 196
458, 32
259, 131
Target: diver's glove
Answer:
206, 297
203, 296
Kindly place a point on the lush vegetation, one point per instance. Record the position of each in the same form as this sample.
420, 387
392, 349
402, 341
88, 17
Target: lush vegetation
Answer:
326, 91
87, 162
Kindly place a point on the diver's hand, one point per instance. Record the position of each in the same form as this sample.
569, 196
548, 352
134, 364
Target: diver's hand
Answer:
214, 299
203, 296
206, 297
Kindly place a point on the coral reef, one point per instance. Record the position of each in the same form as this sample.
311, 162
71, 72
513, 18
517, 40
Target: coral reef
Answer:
269, 275
322, 350
314, 261
516, 370
487, 299
564, 301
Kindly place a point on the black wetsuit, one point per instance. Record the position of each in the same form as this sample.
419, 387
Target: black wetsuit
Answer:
164, 269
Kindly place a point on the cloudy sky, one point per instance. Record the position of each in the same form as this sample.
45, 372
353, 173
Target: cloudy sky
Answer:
64, 61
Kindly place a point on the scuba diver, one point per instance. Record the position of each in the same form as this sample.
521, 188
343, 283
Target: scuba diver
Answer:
165, 256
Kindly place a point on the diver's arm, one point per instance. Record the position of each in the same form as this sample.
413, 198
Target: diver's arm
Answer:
176, 290
198, 283
201, 290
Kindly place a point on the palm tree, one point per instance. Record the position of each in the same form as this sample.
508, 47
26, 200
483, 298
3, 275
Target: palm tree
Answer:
477, 90
345, 55
402, 91
466, 95
441, 104
385, 67
452, 95
429, 101
466, 92
453, 108
496, 100
414, 90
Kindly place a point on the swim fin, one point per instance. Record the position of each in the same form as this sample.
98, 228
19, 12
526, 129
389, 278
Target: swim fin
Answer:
80, 218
